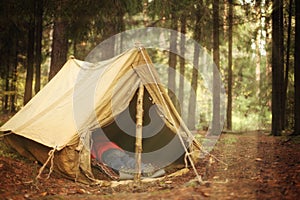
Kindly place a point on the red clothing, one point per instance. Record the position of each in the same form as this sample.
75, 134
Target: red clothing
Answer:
100, 145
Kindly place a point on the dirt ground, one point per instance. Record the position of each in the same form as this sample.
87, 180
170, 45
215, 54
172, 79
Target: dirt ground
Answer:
258, 167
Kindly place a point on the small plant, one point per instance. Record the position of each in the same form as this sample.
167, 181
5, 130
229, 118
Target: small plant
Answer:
229, 139
6, 151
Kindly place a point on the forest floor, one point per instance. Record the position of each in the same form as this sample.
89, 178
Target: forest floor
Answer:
258, 167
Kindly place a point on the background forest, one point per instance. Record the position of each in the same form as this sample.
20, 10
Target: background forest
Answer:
253, 43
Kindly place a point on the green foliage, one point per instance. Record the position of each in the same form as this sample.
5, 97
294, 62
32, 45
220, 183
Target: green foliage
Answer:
90, 22
230, 139
296, 139
6, 151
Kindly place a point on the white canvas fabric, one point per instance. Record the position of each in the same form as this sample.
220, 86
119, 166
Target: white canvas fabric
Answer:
55, 117
49, 117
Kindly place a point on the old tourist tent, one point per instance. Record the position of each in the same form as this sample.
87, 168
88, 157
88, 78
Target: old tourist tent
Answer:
55, 126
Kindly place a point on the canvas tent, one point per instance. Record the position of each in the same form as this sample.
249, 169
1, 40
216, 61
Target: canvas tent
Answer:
55, 126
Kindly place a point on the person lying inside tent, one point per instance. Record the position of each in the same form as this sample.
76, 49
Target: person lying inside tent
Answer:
111, 155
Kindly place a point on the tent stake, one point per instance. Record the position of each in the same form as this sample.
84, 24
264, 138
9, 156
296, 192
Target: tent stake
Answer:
139, 127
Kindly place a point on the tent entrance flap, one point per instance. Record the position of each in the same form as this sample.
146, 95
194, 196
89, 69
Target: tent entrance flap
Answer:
160, 144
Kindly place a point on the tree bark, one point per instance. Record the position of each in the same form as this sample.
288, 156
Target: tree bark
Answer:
172, 60
277, 67
6, 63
216, 128
38, 43
193, 92
14, 67
59, 44
6, 40
229, 86
30, 62
181, 59
287, 69
191, 121
297, 71
114, 20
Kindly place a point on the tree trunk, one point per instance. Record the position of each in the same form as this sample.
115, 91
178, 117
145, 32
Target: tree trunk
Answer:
172, 60
297, 71
38, 43
194, 82
108, 50
287, 69
216, 128
193, 92
14, 65
30, 62
13, 86
181, 60
115, 24
7, 86
120, 28
75, 51
277, 67
229, 102
59, 44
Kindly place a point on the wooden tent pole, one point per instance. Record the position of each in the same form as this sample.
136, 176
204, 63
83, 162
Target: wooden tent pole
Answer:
139, 128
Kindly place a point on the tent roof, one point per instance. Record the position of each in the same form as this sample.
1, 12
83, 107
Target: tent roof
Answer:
83, 93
